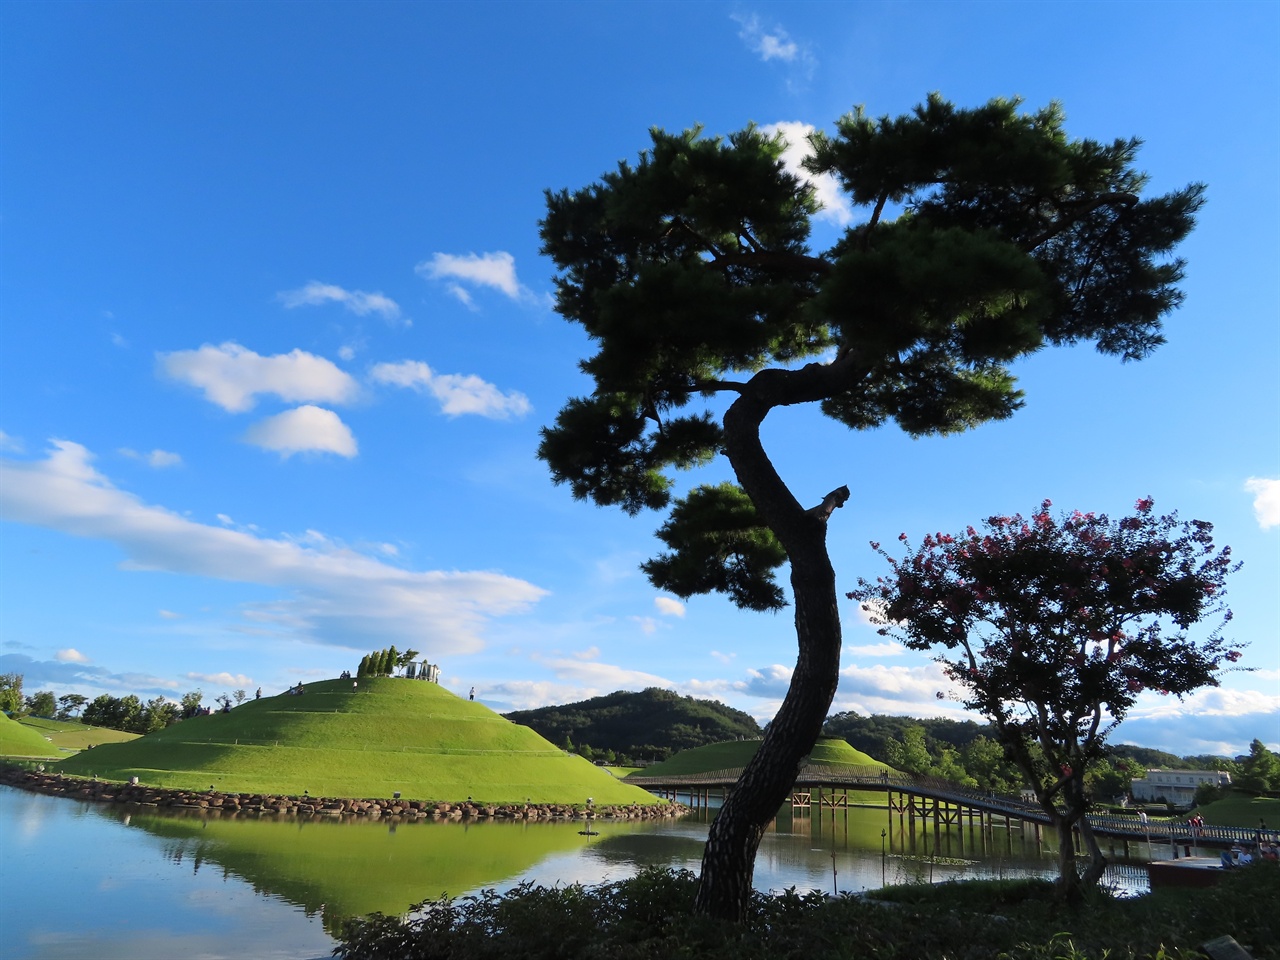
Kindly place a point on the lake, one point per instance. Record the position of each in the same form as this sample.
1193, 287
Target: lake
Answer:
105, 881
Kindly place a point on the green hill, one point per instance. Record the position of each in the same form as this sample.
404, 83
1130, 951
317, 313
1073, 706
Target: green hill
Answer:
71, 735
389, 735
737, 753
644, 725
18, 740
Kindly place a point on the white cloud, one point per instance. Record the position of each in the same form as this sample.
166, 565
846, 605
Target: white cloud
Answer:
457, 393
225, 520
232, 376
328, 594
156, 458
11, 444
70, 655
591, 653
304, 429
886, 649
669, 606
225, 679
163, 458
647, 624
835, 205
1266, 501
461, 274
169, 615
357, 301
770, 682
769, 45
725, 658
602, 677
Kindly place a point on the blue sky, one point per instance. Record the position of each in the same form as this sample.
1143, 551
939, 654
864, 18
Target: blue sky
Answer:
277, 340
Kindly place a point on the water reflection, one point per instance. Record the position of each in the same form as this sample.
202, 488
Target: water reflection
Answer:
90, 880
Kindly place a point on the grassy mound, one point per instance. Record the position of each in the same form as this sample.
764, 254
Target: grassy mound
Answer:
388, 735
19, 740
71, 735
732, 754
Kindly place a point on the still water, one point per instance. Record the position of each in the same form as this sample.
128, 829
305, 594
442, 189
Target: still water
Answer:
82, 880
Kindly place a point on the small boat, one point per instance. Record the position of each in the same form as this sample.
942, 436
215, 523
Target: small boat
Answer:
1185, 872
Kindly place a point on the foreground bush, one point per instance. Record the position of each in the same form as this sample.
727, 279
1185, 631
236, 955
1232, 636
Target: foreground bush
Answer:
648, 917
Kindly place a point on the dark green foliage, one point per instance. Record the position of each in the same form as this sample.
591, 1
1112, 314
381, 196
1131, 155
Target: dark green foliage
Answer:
987, 234
42, 703
1152, 759
70, 704
719, 544
648, 917
648, 725
870, 734
1260, 772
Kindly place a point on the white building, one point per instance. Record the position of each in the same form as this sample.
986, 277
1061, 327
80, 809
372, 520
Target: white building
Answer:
1176, 786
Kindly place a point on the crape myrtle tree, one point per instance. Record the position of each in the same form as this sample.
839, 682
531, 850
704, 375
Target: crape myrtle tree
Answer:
986, 234
1052, 627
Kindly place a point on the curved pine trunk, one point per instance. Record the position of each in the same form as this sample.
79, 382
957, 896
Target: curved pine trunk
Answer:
728, 861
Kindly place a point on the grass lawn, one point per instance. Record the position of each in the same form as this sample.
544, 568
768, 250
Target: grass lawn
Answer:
732, 754
19, 740
386, 735
1241, 810
73, 735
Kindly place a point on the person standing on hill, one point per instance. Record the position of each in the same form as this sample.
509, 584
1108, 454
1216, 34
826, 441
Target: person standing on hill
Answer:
473, 694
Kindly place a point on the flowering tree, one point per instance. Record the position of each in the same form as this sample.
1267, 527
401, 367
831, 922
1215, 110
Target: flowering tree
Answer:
1052, 627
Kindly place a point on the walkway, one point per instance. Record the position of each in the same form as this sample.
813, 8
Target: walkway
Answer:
823, 778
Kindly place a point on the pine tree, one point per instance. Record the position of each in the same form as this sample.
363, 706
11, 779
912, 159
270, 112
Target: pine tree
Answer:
986, 234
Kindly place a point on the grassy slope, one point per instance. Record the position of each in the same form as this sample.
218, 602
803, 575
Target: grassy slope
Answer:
1240, 810
18, 740
736, 753
74, 735
391, 734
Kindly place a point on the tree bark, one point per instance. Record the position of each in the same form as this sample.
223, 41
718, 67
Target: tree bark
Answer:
728, 862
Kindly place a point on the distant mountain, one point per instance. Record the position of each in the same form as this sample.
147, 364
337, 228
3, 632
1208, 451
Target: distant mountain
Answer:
649, 725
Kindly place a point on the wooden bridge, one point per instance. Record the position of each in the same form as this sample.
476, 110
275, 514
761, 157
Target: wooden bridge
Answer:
931, 802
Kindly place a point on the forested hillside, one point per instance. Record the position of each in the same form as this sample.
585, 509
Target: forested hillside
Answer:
626, 726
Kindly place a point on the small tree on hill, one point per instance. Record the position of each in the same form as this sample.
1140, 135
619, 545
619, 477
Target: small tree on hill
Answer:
11, 699
985, 235
1052, 627
42, 703
190, 703
1260, 771
70, 704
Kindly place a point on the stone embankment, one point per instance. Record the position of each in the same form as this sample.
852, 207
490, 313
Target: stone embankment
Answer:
264, 804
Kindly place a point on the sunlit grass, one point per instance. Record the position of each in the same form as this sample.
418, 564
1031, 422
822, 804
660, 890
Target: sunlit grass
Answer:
1241, 810
384, 736
18, 740
733, 754
74, 735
